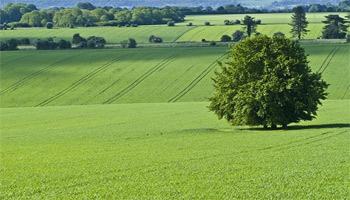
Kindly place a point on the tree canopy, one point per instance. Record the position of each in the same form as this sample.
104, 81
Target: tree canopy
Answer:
268, 82
335, 27
299, 23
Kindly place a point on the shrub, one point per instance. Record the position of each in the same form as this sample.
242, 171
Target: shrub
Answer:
81, 45
49, 25
124, 43
225, 38
190, 24
237, 36
207, 23
279, 34
78, 39
25, 41
171, 23
258, 21
47, 44
132, 43
12, 43
4, 46
63, 44
134, 25
155, 39
237, 21
91, 44
227, 22
127, 25
204, 40
212, 43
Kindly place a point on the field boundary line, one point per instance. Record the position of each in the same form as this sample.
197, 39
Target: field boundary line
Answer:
81, 80
22, 81
141, 78
194, 82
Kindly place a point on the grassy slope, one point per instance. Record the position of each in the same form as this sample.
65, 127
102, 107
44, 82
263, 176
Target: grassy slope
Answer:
80, 77
214, 33
275, 18
169, 151
111, 34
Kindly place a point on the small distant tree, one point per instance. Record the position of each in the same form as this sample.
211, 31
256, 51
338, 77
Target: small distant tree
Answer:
124, 43
78, 39
279, 34
207, 23
335, 27
155, 39
91, 44
213, 43
12, 43
171, 23
299, 23
267, 82
237, 21
63, 44
4, 46
132, 43
258, 21
25, 41
49, 25
225, 38
250, 25
237, 36
190, 24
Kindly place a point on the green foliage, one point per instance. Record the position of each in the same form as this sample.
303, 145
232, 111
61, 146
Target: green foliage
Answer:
225, 38
267, 82
36, 18
47, 44
49, 25
250, 25
77, 39
207, 23
171, 23
335, 27
132, 43
299, 23
155, 39
279, 34
238, 35
124, 43
64, 44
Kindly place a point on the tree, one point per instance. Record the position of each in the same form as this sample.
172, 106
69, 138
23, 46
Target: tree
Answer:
267, 82
237, 36
279, 34
299, 23
77, 39
155, 39
63, 44
225, 38
250, 25
335, 27
49, 25
132, 43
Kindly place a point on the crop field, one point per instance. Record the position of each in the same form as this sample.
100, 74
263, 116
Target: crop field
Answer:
157, 151
214, 33
134, 124
80, 77
266, 18
111, 34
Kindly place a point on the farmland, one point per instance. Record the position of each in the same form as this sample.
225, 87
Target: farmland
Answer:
271, 23
135, 75
134, 123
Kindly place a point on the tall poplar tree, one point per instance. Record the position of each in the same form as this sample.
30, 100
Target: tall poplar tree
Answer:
299, 23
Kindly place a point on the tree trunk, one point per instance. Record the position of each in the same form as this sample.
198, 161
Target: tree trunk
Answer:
273, 126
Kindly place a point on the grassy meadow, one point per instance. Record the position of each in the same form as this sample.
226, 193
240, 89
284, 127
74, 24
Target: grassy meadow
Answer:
271, 23
134, 123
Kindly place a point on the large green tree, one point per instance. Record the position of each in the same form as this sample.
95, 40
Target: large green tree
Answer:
335, 27
299, 23
268, 82
250, 25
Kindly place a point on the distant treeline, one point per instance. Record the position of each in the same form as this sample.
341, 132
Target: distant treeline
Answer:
86, 14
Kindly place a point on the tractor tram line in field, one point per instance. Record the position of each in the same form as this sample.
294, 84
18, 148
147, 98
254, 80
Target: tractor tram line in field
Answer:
35, 74
142, 78
196, 80
82, 80
329, 58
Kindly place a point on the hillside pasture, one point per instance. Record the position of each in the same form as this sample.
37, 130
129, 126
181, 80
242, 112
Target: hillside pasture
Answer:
171, 151
111, 34
266, 18
153, 75
214, 33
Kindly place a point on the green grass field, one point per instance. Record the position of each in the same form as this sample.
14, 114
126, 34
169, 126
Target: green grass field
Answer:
271, 23
96, 124
111, 34
214, 33
149, 75
267, 18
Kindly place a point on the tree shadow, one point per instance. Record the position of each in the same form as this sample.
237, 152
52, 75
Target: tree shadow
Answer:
304, 127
